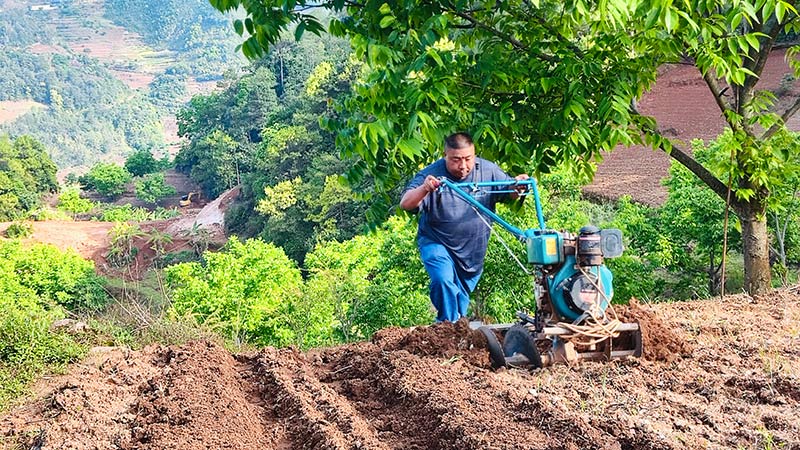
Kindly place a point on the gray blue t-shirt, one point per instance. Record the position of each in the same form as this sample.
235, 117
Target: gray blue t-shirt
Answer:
451, 221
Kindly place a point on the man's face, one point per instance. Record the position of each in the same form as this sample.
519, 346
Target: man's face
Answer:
460, 162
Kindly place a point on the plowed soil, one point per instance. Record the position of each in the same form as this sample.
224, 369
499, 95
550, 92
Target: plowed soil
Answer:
685, 110
715, 374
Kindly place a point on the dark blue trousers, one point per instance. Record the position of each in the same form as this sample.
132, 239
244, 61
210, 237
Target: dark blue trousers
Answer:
450, 285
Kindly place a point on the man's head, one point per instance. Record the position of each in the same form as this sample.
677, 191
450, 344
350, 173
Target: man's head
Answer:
459, 155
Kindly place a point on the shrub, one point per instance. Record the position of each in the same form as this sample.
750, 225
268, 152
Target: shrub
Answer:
341, 273
141, 163
152, 188
122, 250
70, 200
60, 277
27, 346
397, 294
246, 292
107, 179
36, 285
17, 230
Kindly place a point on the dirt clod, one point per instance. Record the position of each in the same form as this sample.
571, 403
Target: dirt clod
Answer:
659, 341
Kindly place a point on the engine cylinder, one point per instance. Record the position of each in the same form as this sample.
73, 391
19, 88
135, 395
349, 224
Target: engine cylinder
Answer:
589, 250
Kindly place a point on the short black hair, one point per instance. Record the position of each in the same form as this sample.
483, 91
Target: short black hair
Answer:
458, 141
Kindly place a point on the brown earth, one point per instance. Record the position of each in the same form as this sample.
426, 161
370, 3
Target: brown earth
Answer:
684, 110
11, 109
720, 374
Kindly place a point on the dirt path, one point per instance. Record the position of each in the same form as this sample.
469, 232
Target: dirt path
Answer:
89, 239
736, 386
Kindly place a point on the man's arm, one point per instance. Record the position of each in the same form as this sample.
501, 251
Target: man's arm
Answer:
414, 197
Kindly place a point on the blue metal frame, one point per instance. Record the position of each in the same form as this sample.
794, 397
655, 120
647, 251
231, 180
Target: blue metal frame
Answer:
457, 188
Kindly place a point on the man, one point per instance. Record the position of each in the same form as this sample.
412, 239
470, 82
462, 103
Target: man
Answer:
452, 236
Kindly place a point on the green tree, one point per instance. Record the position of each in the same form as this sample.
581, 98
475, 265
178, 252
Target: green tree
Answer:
141, 163
107, 179
152, 188
26, 173
549, 82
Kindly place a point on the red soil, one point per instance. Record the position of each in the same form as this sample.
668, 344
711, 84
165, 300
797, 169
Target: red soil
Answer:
731, 381
685, 110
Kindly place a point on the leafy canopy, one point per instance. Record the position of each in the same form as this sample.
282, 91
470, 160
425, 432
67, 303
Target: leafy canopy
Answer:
545, 81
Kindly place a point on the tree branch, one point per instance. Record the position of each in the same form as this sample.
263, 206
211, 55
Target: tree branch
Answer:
713, 86
784, 117
701, 172
506, 37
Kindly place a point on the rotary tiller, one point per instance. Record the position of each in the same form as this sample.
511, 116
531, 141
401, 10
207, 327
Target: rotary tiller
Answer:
574, 320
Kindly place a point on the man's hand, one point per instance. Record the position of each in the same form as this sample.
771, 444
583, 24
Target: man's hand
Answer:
413, 198
431, 183
522, 188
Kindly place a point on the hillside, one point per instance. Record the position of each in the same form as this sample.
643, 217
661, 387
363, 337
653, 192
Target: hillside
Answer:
685, 110
106, 90
719, 374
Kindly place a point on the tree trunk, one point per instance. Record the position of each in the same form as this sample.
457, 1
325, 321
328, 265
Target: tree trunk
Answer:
755, 244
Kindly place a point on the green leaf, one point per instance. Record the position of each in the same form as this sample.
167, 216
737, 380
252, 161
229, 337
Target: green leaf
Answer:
546, 83
780, 11
752, 39
238, 26
386, 21
298, 32
435, 55
410, 147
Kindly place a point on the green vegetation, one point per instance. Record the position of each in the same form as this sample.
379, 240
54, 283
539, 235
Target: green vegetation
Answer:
142, 162
89, 113
152, 188
70, 201
107, 179
262, 131
17, 230
193, 28
126, 213
37, 286
246, 292
549, 83
26, 173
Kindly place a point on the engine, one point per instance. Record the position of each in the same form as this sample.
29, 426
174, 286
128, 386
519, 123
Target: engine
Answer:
575, 276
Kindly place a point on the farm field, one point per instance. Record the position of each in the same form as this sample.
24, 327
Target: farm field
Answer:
719, 374
685, 110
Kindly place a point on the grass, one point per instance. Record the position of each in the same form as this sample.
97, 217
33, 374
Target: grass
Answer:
139, 315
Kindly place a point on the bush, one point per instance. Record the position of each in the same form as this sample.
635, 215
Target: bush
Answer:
17, 230
152, 188
245, 292
107, 179
633, 277
397, 294
141, 163
70, 201
27, 346
36, 285
62, 278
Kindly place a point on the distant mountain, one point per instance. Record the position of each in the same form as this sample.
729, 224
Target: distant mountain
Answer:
110, 75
